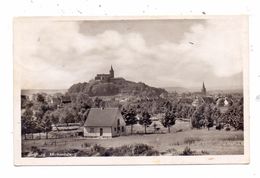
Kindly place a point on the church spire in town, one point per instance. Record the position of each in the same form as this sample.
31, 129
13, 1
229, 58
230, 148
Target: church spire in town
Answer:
203, 90
111, 72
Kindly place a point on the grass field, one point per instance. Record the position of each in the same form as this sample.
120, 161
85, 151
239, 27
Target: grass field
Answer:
212, 142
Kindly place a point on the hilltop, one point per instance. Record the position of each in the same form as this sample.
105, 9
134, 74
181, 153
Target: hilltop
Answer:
114, 87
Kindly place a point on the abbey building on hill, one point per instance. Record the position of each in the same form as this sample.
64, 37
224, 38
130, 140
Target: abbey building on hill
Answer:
106, 77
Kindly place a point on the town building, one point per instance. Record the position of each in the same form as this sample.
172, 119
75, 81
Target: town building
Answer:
106, 77
202, 97
104, 123
203, 90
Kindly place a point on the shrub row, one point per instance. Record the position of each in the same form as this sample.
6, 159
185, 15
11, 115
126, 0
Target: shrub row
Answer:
96, 150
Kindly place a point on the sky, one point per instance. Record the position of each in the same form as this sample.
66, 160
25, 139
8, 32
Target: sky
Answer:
53, 54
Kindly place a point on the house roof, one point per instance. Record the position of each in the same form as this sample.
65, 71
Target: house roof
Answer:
198, 101
208, 99
66, 99
101, 117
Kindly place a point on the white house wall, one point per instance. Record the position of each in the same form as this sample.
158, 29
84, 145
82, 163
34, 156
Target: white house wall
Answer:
96, 133
122, 123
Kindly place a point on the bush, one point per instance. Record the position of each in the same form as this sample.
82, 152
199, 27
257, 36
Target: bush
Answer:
72, 151
234, 138
219, 126
228, 129
98, 149
204, 152
179, 130
141, 149
172, 151
34, 149
191, 140
25, 154
84, 153
87, 144
108, 152
152, 153
125, 150
187, 151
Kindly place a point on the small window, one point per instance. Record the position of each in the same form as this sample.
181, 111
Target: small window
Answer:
118, 122
123, 129
91, 130
118, 128
101, 131
115, 129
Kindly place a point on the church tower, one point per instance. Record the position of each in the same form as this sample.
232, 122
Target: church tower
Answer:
203, 90
111, 72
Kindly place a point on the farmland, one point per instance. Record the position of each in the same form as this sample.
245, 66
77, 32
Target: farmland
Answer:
199, 141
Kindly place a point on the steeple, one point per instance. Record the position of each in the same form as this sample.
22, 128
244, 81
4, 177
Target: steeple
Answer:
111, 72
203, 90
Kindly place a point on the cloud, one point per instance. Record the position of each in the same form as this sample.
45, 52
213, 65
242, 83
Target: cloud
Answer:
219, 44
57, 54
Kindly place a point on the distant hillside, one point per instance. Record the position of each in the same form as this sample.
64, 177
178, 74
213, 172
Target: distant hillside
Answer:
178, 89
50, 91
115, 87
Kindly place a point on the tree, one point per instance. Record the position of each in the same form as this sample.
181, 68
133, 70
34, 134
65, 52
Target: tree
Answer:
82, 115
168, 120
27, 122
24, 101
32, 122
168, 106
235, 115
40, 108
130, 118
197, 120
216, 114
83, 99
208, 116
46, 123
155, 127
55, 117
145, 120
40, 98
221, 102
67, 116
98, 102
178, 110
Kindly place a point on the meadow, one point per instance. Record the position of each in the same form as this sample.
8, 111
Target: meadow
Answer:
181, 141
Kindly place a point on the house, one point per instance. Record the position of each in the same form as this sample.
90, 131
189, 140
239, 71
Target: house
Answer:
198, 101
65, 99
224, 101
208, 99
104, 123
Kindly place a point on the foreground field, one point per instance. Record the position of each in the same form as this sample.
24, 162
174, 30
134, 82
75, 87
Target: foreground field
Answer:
200, 142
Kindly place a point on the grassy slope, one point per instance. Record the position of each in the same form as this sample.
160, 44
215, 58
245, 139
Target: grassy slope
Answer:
213, 142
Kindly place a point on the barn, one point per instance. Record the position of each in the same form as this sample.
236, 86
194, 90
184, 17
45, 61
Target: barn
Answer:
104, 123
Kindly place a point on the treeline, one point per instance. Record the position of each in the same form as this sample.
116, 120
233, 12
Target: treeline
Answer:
40, 115
208, 116
203, 116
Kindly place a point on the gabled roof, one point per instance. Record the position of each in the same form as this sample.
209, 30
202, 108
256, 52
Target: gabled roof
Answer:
101, 117
208, 99
198, 101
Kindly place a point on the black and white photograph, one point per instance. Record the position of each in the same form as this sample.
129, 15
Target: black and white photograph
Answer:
131, 90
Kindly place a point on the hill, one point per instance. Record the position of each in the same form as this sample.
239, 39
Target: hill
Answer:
115, 87
177, 89
29, 92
